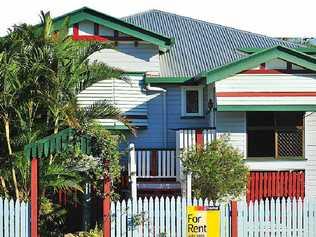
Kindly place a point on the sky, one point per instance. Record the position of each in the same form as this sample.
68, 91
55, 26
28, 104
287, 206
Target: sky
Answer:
276, 18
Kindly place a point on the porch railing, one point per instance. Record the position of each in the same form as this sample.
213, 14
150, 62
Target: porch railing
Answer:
189, 138
156, 163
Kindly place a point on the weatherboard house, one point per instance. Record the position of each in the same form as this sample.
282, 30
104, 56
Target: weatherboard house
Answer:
190, 81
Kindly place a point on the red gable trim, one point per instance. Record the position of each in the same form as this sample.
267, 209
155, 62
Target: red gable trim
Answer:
264, 94
76, 35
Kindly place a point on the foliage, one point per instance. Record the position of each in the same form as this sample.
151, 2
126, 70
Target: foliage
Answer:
41, 74
96, 232
218, 172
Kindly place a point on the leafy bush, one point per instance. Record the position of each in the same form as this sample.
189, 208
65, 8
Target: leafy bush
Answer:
218, 172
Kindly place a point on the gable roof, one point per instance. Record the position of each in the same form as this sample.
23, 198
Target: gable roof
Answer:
199, 45
253, 60
86, 13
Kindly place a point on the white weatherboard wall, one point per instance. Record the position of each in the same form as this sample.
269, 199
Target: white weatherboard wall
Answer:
267, 83
130, 58
310, 153
233, 124
127, 95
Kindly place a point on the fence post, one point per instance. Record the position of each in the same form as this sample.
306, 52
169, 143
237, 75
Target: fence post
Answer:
106, 202
34, 197
132, 162
234, 219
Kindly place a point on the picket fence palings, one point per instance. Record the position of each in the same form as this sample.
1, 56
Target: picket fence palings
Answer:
129, 218
118, 218
124, 217
14, 218
151, 217
113, 219
167, 216
140, 217
162, 216
172, 217
146, 217
156, 217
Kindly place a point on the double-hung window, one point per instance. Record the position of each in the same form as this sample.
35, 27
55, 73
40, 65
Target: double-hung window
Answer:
192, 101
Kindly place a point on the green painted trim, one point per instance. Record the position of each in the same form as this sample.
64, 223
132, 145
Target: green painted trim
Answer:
307, 50
307, 108
133, 73
86, 13
116, 127
253, 60
57, 143
166, 80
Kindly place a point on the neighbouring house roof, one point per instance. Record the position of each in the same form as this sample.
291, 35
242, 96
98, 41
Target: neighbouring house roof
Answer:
139, 32
291, 55
199, 45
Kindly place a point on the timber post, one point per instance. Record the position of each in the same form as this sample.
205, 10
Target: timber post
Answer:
34, 197
234, 219
132, 171
106, 202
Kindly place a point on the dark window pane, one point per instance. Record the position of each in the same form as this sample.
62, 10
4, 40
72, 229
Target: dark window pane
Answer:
261, 144
192, 99
258, 119
289, 119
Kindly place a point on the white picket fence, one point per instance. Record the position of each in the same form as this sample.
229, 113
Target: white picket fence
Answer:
158, 217
277, 218
14, 218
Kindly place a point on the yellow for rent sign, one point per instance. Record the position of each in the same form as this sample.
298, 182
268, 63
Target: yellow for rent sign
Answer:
203, 221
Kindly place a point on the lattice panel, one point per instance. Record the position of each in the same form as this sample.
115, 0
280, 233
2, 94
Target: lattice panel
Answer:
290, 143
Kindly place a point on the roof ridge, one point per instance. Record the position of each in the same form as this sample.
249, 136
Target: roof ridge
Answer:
213, 24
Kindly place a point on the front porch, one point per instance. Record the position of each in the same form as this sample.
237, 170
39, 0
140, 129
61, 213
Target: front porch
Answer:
159, 172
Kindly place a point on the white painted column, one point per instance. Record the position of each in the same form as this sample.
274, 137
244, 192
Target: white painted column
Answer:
132, 171
310, 153
181, 177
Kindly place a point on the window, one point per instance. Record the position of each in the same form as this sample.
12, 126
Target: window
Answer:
192, 101
275, 134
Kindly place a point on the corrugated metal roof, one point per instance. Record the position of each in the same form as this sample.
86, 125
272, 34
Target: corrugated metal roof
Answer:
199, 45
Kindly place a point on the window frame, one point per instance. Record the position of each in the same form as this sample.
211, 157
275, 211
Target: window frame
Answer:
184, 89
275, 130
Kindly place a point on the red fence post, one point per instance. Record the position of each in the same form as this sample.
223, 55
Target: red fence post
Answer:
34, 197
106, 203
234, 219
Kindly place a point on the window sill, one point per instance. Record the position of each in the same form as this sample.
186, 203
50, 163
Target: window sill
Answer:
193, 117
298, 158
271, 164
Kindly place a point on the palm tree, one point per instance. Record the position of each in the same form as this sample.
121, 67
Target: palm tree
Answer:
41, 73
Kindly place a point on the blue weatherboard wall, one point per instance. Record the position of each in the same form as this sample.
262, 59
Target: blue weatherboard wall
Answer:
152, 137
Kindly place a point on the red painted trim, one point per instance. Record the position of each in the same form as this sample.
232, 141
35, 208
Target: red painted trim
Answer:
60, 196
234, 219
90, 38
75, 30
265, 94
154, 163
294, 184
106, 204
34, 197
303, 185
199, 138
286, 184
252, 186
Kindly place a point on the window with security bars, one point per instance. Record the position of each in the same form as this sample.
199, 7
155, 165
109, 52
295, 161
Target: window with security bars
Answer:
275, 134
